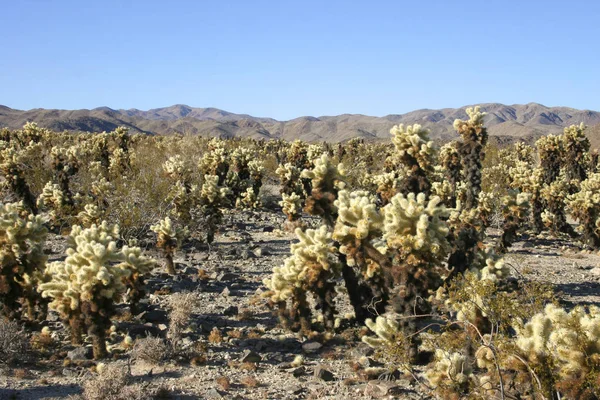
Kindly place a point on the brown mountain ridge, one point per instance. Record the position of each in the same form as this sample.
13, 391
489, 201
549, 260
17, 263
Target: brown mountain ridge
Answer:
506, 123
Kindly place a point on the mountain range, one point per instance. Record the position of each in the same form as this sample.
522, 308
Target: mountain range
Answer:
506, 123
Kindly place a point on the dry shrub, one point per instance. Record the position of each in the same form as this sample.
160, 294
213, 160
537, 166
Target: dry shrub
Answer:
235, 333
13, 342
111, 383
249, 382
182, 306
215, 336
224, 382
151, 349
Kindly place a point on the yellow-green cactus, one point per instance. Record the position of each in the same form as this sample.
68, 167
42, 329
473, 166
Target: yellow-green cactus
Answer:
168, 239
327, 179
22, 238
584, 206
311, 268
85, 286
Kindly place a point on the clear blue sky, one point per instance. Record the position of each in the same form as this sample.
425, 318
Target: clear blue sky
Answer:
285, 59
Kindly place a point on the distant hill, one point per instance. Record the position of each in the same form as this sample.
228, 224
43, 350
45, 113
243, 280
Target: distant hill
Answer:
505, 123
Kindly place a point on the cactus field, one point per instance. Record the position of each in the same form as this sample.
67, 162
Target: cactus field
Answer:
184, 267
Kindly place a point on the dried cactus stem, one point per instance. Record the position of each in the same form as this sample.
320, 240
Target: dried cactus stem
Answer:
20, 187
76, 326
170, 265
135, 285
325, 292
300, 312
537, 207
97, 319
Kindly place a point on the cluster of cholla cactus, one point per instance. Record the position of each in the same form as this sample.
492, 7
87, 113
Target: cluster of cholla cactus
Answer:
240, 171
292, 191
326, 179
528, 180
576, 147
22, 237
471, 150
313, 267
96, 274
414, 156
550, 151
450, 162
515, 211
358, 225
585, 206
12, 167
169, 239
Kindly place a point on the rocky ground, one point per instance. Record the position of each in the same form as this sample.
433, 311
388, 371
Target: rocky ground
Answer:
239, 351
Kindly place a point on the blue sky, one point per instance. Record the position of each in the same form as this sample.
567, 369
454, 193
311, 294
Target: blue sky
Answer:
285, 59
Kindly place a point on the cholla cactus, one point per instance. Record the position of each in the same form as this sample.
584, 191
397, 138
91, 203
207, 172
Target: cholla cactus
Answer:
387, 329
292, 191
292, 206
585, 206
528, 181
312, 267
65, 162
85, 286
515, 210
471, 149
555, 195
53, 199
211, 199
12, 167
416, 237
358, 225
169, 239
326, 179
415, 152
450, 162
563, 348
467, 233
550, 150
22, 238
575, 145
91, 215
450, 372
216, 161
388, 185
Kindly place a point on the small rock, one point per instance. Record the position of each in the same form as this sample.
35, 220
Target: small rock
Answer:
368, 362
380, 389
231, 311
190, 271
298, 371
226, 292
268, 229
200, 257
80, 353
323, 374
154, 316
70, 372
258, 252
144, 331
246, 254
250, 356
311, 346
213, 394
226, 276
362, 350
162, 327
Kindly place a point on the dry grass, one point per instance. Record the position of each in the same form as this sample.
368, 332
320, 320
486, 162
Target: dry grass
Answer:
182, 305
224, 382
215, 336
153, 350
13, 342
249, 382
